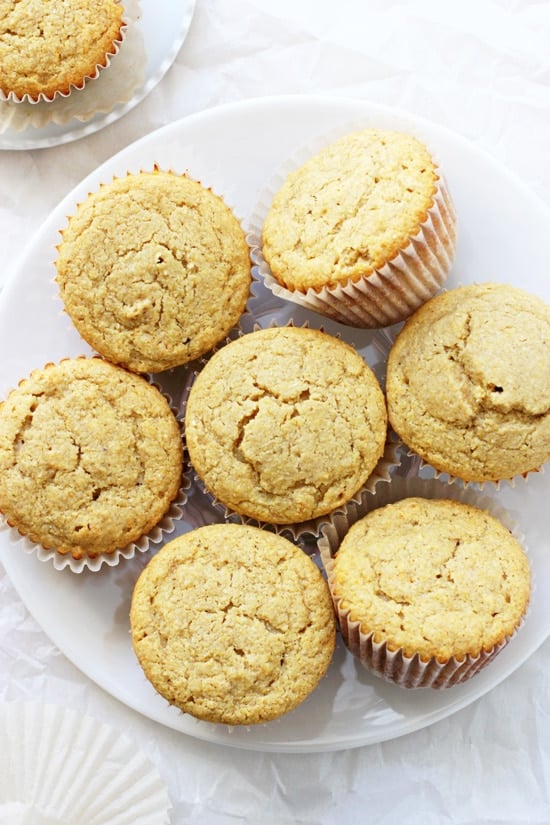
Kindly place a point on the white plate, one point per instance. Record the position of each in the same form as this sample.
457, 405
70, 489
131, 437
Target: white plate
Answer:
235, 149
164, 25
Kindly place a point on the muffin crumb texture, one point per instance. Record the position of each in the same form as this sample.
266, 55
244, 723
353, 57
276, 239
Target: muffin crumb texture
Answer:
153, 270
285, 424
49, 47
434, 577
90, 457
233, 624
468, 382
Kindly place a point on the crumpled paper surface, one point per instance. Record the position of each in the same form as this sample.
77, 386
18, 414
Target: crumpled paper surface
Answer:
482, 69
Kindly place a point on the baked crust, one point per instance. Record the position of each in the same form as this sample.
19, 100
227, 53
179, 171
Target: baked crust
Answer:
233, 624
285, 424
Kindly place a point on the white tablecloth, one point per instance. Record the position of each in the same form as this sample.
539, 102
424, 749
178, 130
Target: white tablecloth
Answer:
481, 68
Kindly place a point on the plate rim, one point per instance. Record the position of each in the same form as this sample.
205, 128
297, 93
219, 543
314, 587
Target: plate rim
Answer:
362, 106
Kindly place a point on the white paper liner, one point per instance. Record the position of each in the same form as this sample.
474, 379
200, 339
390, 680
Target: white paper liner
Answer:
388, 295
311, 527
395, 666
113, 84
156, 535
61, 561
60, 768
427, 470
382, 472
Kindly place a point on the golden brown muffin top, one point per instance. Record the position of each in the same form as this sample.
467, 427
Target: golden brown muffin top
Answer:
153, 270
468, 382
433, 577
285, 424
90, 457
349, 209
47, 47
233, 624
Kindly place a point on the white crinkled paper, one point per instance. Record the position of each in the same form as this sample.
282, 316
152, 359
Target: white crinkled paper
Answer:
480, 67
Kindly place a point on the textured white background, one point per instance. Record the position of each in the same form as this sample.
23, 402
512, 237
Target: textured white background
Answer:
481, 68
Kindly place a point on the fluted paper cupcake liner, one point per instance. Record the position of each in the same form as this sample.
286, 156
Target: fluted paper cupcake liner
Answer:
57, 766
61, 561
427, 470
311, 527
388, 295
393, 665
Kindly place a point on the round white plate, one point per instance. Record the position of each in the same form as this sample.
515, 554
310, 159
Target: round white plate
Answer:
235, 149
164, 25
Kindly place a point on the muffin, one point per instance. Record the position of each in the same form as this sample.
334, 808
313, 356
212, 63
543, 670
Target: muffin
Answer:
154, 270
232, 624
468, 382
285, 424
90, 457
428, 591
47, 49
363, 232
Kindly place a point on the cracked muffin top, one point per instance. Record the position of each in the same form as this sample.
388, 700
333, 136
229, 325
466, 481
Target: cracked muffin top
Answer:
90, 457
468, 382
153, 270
285, 424
233, 624
437, 578
48, 47
349, 209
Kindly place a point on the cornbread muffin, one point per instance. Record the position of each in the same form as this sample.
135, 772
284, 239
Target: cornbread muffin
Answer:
90, 457
468, 382
153, 270
370, 212
437, 581
285, 424
232, 624
50, 47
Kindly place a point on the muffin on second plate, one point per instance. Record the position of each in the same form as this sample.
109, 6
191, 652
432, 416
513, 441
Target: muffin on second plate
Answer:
233, 624
90, 457
153, 270
363, 232
468, 382
50, 48
428, 591
285, 424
